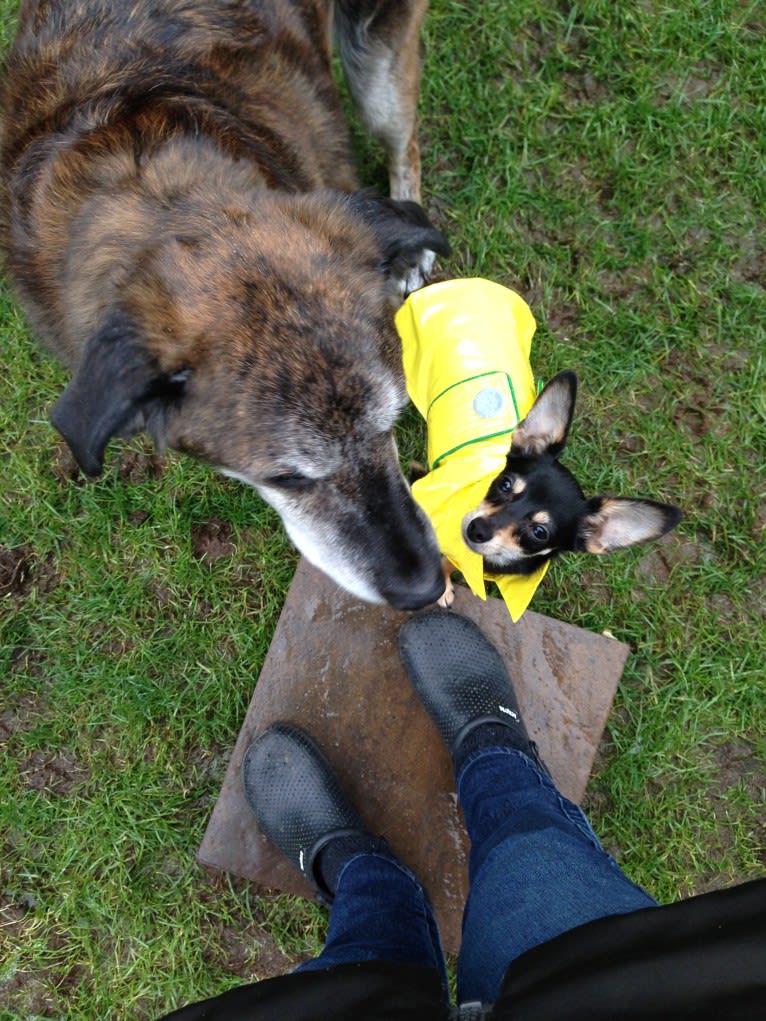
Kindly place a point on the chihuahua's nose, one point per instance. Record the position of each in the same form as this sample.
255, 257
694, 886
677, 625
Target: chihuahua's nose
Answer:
479, 530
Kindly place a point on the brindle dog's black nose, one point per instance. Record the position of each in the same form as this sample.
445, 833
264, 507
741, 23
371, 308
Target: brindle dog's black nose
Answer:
479, 530
415, 597
414, 593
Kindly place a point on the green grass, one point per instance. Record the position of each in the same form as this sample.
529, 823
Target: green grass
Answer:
607, 161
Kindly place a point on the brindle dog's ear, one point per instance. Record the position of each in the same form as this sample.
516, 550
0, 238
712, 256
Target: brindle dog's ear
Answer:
408, 240
112, 392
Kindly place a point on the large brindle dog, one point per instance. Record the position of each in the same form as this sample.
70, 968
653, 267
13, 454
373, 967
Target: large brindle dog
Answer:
182, 225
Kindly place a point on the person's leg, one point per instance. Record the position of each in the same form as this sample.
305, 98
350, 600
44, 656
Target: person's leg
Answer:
379, 910
536, 867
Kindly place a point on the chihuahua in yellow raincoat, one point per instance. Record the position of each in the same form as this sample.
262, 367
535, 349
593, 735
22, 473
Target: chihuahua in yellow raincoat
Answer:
501, 503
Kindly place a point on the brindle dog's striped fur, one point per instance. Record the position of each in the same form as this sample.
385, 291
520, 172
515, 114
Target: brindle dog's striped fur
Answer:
181, 224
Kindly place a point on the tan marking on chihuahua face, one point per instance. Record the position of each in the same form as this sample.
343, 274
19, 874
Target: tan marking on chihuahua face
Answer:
502, 547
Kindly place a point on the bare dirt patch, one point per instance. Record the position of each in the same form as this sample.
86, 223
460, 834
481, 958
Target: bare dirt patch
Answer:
138, 462
65, 469
15, 570
53, 772
21, 571
212, 540
669, 552
738, 765
22, 716
38, 994
142, 465
243, 945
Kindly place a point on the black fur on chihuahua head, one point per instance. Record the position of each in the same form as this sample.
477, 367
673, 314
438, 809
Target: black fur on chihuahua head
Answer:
535, 508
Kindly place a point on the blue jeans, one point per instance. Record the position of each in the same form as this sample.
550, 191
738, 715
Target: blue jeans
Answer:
536, 869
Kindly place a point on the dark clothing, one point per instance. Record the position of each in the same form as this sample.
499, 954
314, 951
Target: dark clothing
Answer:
701, 958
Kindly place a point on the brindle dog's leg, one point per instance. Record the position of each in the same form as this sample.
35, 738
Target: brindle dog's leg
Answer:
379, 42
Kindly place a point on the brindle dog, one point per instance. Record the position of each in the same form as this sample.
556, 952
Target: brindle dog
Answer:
182, 226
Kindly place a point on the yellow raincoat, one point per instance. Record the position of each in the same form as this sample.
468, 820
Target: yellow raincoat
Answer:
466, 360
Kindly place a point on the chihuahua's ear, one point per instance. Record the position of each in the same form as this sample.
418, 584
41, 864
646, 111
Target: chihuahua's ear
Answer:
115, 389
546, 427
407, 239
612, 523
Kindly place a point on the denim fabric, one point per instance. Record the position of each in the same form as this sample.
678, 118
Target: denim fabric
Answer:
536, 870
380, 913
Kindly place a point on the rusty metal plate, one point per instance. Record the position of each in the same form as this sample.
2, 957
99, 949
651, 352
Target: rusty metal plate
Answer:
333, 668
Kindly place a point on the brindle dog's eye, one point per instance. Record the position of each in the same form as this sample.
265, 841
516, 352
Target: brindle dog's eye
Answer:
290, 480
540, 533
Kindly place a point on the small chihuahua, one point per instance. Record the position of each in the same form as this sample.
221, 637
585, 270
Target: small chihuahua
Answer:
536, 509
466, 347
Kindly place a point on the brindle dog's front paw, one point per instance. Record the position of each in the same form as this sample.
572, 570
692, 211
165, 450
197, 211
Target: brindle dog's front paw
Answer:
418, 274
448, 596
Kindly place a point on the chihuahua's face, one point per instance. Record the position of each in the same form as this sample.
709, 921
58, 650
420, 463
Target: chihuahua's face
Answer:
536, 508
531, 511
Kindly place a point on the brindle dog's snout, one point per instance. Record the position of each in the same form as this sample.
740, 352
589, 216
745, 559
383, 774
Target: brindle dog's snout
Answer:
410, 575
406, 595
413, 578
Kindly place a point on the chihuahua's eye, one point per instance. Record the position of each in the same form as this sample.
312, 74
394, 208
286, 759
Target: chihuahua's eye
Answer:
540, 533
290, 480
505, 485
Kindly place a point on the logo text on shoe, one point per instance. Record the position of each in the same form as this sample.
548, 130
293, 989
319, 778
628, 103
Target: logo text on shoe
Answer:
508, 712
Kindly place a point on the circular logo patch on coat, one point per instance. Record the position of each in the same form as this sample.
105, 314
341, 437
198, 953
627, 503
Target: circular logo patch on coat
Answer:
488, 403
